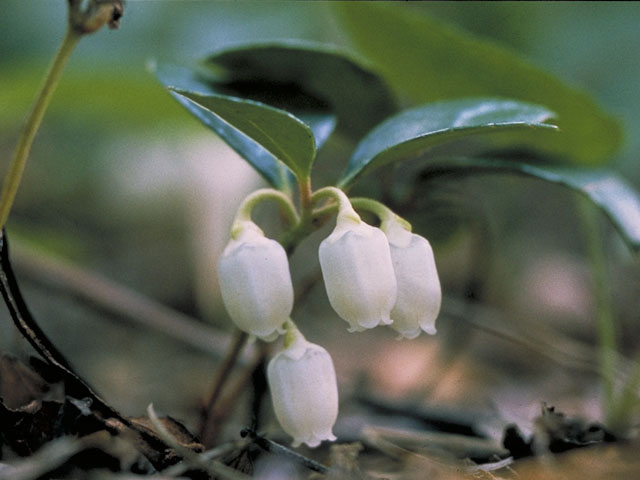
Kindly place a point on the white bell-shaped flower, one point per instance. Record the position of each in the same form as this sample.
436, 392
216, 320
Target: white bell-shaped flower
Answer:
419, 294
304, 391
255, 283
358, 273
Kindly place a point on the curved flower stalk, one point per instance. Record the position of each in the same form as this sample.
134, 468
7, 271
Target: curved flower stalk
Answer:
356, 265
419, 293
304, 390
255, 282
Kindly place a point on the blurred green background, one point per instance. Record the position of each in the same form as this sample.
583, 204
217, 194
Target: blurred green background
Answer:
123, 182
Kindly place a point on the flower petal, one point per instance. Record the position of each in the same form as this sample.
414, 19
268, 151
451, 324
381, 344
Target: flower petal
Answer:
358, 275
304, 392
419, 293
256, 284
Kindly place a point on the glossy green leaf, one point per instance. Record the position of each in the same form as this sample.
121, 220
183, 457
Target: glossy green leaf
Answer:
603, 187
428, 61
479, 123
258, 132
358, 95
315, 113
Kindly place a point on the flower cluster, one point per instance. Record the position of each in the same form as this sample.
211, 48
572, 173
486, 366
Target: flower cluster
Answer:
380, 276
373, 276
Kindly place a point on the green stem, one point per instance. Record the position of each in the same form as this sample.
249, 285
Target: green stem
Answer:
292, 333
307, 201
246, 208
19, 160
292, 237
384, 213
345, 210
604, 309
618, 419
305, 195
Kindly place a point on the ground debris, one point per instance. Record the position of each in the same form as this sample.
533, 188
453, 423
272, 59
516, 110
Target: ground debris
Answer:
344, 462
19, 384
38, 418
602, 461
554, 432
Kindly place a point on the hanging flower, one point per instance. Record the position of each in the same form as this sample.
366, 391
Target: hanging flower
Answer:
255, 282
304, 390
358, 273
419, 293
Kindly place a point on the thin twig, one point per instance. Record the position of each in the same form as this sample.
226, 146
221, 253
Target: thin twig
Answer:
119, 301
209, 455
277, 449
604, 309
213, 467
224, 371
227, 403
564, 351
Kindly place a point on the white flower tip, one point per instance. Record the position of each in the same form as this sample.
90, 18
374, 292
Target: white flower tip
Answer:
314, 440
430, 329
368, 324
408, 335
270, 337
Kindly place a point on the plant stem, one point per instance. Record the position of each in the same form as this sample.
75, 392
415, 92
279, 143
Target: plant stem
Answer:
19, 160
627, 401
305, 195
604, 310
246, 208
293, 236
227, 402
224, 371
384, 213
345, 210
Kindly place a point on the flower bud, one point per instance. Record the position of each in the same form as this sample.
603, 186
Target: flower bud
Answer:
304, 391
358, 273
255, 283
419, 293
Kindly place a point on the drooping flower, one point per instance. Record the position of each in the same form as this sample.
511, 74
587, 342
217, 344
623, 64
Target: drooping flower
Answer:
304, 391
255, 282
419, 292
358, 273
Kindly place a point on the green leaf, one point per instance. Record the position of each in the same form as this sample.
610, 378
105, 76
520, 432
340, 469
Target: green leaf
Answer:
315, 113
429, 61
315, 83
260, 133
479, 123
357, 95
610, 193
